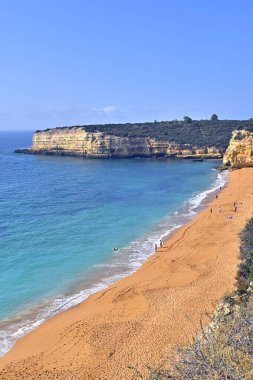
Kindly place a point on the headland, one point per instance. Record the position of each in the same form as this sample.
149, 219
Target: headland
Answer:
188, 139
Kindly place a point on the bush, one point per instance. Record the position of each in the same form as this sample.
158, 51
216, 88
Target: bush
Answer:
187, 120
214, 117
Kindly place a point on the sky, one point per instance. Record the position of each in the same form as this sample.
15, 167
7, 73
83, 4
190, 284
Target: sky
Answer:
99, 61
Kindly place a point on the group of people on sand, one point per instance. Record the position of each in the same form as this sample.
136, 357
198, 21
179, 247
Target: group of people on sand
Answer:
211, 210
161, 245
235, 205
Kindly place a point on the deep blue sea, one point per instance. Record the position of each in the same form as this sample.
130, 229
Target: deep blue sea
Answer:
61, 217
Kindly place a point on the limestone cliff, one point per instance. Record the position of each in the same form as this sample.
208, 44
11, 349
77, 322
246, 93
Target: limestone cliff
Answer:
76, 141
240, 150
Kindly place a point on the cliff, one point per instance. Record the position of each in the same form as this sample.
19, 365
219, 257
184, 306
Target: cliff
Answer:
76, 141
240, 150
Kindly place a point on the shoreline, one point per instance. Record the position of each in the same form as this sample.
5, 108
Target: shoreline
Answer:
140, 318
101, 277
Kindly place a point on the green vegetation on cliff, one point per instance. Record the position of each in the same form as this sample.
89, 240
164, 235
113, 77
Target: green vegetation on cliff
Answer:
200, 133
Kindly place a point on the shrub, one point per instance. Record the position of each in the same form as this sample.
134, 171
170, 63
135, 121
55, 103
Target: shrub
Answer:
214, 117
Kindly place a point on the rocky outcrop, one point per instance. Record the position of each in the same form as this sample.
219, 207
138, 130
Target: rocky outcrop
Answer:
240, 150
76, 141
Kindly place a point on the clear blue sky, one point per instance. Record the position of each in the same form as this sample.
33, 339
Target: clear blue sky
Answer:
67, 62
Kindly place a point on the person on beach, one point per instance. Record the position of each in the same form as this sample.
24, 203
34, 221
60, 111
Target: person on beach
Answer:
161, 243
155, 247
211, 210
216, 196
235, 209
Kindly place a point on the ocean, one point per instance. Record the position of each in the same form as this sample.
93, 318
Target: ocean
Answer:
71, 226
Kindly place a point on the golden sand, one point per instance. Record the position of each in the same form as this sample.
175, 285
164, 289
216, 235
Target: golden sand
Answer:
138, 320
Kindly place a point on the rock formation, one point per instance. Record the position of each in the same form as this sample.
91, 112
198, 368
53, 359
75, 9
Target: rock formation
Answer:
76, 141
240, 150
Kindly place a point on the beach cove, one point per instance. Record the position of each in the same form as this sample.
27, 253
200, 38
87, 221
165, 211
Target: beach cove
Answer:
57, 235
140, 319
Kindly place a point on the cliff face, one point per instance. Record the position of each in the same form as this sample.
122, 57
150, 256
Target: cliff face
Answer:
240, 151
78, 142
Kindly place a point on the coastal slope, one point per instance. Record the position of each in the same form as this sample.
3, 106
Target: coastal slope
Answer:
240, 150
138, 321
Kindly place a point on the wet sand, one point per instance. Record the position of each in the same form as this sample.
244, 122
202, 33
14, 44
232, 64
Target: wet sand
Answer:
140, 319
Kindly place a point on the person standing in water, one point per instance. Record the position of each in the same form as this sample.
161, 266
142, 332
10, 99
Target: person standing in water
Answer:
161, 243
155, 247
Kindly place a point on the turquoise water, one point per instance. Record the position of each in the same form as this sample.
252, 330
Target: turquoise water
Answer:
61, 217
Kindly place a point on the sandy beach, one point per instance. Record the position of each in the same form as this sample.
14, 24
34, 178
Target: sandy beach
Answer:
140, 319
